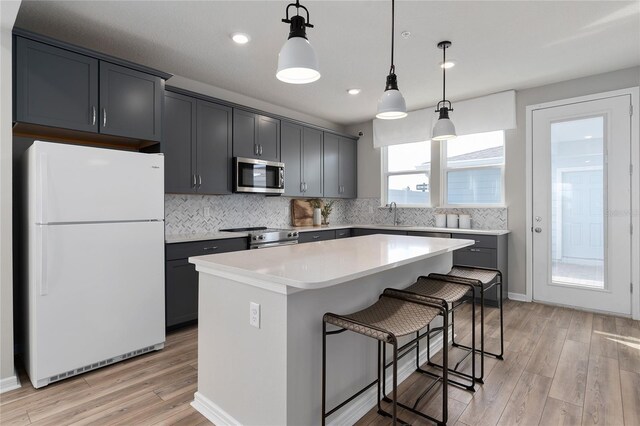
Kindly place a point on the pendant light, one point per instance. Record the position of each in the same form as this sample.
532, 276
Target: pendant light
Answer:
444, 128
297, 61
391, 104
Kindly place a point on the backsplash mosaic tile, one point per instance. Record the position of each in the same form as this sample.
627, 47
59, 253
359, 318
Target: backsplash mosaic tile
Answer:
195, 214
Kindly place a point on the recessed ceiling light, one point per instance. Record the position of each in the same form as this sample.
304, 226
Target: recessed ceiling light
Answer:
588, 137
240, 38
448, 64
405, 34
353, 91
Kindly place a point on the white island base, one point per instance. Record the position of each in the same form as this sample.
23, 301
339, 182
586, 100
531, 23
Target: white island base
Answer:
271, 375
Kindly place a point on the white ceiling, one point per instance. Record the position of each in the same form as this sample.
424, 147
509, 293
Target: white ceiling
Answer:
497, 45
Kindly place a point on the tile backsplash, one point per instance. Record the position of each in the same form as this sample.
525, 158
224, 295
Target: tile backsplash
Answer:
187, 214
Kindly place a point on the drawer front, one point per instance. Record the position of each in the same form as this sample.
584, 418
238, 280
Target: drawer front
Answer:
471, 256
484, 241
358, 232
309, 237
199, 248
429, 234
343, 233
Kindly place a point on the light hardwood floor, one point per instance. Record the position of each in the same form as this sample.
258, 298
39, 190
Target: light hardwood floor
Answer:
561, 367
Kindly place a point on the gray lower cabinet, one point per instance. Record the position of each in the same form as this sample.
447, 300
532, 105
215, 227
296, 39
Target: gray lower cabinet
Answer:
311, 236
340, 166
255, 136
197, 146
130, 103
428, 234
489, 251
301, 149
55, 87
181, 278
343, 233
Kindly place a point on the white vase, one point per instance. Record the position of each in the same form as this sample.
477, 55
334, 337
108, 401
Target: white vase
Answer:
317, 217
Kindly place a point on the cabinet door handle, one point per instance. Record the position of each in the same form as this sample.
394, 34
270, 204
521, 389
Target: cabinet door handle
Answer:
194, 181
104, 117
260, 147
305, 186
301, 186
199, 181
315, 237
210, 248
93, 115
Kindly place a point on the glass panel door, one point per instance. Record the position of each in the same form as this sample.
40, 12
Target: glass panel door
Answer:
578, 202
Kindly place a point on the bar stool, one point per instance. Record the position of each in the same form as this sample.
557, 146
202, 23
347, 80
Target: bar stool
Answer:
450, 293
391, 317
485, 279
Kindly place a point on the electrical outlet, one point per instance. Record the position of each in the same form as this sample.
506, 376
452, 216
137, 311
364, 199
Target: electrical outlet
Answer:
254, 314
207, 212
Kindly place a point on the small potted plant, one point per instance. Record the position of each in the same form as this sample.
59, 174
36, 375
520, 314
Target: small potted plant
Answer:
327, 208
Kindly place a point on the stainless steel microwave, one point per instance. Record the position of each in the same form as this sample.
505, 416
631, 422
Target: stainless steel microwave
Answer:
258, 176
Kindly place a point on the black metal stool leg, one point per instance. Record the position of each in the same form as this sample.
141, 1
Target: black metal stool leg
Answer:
324, 371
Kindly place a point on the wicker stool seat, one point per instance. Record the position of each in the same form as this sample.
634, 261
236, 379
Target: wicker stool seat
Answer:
386, 318
485, 276
392, 316
439, 289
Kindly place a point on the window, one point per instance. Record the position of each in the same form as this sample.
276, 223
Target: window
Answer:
473, 170
406, 170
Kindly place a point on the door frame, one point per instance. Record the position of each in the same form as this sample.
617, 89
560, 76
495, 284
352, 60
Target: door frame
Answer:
634, 92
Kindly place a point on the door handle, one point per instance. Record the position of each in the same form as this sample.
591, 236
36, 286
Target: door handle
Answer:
194, 182
93, 115
44, 284
538, 230
301, 186
315, 237
210, 248
260, 147
199, 181
104, 117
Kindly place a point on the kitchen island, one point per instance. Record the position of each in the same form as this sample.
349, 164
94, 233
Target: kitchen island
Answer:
271, 374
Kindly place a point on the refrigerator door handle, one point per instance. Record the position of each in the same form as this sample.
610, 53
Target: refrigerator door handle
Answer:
43, 187
44, 284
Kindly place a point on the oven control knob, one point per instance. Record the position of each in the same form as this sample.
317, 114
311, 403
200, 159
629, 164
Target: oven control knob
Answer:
290, 234
255, 238
295, 234
261, 237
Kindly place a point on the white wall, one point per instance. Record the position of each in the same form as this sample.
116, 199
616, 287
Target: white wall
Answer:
8, 12
369, 157
223, 94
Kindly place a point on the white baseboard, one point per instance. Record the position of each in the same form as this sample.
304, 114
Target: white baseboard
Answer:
9, 383
360, 406
349, 414
211, 411
519, 297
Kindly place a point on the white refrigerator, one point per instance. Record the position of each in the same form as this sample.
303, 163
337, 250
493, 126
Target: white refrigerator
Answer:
95, 258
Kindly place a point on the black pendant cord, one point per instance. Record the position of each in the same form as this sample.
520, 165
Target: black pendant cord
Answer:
444, 73
392, 69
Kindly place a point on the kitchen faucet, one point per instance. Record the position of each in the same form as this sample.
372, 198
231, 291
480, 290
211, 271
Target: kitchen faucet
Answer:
393, 207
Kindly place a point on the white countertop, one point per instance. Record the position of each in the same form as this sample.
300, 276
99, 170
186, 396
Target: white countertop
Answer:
220, 235
325, 263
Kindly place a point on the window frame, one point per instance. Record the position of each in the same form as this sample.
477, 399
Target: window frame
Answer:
385, 173
443, 177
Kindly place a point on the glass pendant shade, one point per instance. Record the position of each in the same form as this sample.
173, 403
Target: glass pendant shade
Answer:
391, 105
444, 128
297, 62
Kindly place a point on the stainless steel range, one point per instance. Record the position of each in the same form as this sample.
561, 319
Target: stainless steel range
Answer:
263, 237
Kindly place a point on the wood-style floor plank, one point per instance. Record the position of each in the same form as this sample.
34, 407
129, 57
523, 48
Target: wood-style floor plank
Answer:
571, 373
561, 367
630, 384
561, 413
603, 400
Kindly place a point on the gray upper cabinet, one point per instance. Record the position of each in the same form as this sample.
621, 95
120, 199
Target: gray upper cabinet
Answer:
55, 87
130, 102
196, 144
59, 85
302, 155
214, 145
291, 145
178, 143
255, 136
340, 166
